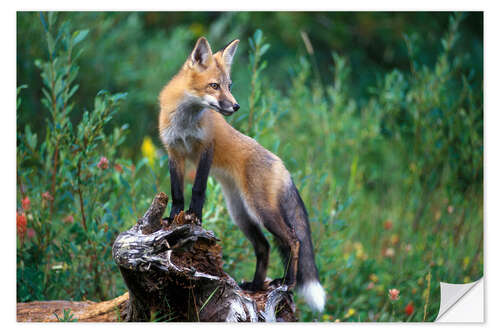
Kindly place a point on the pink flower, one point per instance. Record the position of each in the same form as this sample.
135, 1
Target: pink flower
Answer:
46, 195
69, 219
389, 252
25, 203
30, 233
394, 294
103, 163
450, 209
370, 285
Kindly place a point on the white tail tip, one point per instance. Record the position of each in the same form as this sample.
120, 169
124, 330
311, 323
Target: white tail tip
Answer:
314, 295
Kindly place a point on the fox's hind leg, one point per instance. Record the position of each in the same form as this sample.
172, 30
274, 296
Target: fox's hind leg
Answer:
261, 248
287, 242
254, 234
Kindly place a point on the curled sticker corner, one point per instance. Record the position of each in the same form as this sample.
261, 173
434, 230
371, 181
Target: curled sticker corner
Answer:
461, 302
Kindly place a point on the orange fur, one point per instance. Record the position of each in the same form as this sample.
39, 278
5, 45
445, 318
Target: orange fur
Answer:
234, 153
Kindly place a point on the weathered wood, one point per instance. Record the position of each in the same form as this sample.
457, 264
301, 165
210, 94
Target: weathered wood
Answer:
48, 311
173, 270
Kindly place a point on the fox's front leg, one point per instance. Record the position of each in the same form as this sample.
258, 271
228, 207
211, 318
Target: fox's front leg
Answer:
200, 182
176, 167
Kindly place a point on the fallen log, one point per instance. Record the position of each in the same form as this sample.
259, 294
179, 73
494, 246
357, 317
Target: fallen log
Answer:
173, 271
87, 311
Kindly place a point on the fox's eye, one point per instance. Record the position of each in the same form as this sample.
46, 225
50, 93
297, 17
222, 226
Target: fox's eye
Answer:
230, 85
214, 86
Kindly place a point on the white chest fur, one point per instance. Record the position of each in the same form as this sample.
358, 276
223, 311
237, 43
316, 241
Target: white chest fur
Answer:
184, 129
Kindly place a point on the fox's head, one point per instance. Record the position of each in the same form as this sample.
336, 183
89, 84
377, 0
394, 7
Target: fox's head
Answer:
209, 75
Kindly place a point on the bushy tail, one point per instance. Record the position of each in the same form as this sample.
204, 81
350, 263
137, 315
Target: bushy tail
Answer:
314, 295
308, 284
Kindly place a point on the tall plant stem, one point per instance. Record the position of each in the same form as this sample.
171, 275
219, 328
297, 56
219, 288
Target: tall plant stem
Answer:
79, 191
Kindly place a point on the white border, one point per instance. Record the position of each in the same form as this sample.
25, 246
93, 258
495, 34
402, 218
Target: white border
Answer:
491, 135
257, 5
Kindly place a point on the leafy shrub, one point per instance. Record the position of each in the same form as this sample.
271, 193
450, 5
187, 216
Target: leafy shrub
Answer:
73, 180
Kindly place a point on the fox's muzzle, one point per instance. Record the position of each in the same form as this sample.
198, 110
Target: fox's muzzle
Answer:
227, 108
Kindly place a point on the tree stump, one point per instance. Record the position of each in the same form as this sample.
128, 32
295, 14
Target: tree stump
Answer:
173, 270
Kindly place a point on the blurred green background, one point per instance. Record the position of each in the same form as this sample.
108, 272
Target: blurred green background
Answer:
378, 116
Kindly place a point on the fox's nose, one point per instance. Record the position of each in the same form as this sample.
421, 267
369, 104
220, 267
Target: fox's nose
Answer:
236, 107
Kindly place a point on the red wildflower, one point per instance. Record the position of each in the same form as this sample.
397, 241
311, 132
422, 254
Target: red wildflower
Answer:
103, 163
118, 168
25, 203
388, 225
409, 309
394, 294
46, 195
21, 223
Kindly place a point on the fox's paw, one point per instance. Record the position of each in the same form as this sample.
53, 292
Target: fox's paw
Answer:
250, 286
196, 215
282, 282
277, 282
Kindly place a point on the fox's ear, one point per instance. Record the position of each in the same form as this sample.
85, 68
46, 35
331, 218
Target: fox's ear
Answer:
202, 53
229, 51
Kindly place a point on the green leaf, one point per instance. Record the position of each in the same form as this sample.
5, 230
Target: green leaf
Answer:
252, 46
52, 17
21, 87
257, 36
32, 140
18, 103
80, 35
264, 49
51, 44
71, 92
119, 96
44, 23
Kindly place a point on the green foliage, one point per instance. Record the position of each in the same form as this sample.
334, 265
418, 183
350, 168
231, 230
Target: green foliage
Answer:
430, 116
389, 166
76, 196
67, 316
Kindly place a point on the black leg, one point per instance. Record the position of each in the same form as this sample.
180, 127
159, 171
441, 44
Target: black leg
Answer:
288, 244
261, 248
200, 182
176, 185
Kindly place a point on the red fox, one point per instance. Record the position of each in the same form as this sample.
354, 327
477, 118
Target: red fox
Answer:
258, 189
